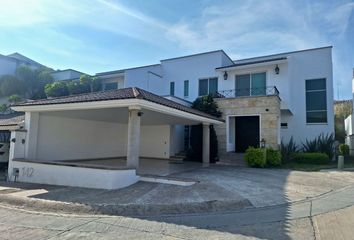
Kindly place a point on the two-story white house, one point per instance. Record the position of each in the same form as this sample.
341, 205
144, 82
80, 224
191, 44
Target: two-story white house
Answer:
301, 80
145, 112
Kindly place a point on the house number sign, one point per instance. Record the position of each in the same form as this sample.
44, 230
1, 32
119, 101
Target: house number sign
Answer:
27, 171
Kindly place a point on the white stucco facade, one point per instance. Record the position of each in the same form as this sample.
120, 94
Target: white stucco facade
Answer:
294, 70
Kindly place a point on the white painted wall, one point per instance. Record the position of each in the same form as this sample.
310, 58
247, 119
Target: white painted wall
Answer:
146, 78
68, 138
191, 68
155, 141
62, 138
303, 66
73, 176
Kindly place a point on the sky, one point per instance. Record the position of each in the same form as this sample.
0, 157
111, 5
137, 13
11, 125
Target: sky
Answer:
103, 35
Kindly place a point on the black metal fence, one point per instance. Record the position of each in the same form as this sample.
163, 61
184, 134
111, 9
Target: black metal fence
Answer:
266, 91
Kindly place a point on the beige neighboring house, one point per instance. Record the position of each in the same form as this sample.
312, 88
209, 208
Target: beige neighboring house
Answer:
8, 122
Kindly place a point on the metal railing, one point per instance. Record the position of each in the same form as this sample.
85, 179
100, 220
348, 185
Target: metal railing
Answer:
247, 92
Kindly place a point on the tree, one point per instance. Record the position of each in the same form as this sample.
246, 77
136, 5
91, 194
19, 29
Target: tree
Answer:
14, 98
96, 84
10, 85
75, 87
56, 89
86, 83
208, 105
34, 80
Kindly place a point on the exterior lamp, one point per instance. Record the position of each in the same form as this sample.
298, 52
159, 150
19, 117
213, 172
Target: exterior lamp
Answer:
263, 143
225, 75
276, 69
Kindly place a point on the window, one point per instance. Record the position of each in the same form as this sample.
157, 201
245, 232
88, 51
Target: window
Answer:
186, 88
172, 88
316, 101
284, 125
111, 86
207, 86
251, 84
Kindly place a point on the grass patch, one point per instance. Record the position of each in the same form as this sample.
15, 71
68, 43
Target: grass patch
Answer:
348, 163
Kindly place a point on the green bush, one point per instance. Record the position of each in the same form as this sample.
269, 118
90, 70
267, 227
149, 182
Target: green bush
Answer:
254, 157
273, 157
344, 149
287, 149
56, 89
310, 158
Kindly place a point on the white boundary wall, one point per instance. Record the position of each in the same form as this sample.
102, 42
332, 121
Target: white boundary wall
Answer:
72, 176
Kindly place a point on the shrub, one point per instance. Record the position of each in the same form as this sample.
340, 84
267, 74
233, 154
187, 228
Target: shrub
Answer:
343, 149
287, 149
310, 158
273, 157
208, 105
254, 157
56, 89
323, 143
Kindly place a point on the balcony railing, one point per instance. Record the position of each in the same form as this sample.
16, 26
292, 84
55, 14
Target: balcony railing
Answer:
247, 92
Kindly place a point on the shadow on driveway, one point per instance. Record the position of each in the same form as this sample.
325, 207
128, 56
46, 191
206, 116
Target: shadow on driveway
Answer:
218, 189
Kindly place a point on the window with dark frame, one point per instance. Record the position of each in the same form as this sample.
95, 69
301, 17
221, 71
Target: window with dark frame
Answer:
207, 86
186, 88
172, 88
316, 101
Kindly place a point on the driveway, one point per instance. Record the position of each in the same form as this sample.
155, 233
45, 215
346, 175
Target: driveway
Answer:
216, 188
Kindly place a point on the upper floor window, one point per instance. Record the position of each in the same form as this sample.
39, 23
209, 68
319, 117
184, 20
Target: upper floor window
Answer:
207, 86
172, 88
250, 84
316, 101
110, 86
186, 88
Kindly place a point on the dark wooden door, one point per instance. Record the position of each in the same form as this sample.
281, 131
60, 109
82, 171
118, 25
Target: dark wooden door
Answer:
247, 132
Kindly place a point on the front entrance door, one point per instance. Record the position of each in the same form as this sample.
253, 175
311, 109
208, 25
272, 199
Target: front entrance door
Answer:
246, 132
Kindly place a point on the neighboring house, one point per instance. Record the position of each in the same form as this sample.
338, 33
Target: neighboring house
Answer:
264, 99
65, 75
9, 63
349, 126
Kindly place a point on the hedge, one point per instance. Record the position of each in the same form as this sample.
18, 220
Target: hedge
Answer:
310, 158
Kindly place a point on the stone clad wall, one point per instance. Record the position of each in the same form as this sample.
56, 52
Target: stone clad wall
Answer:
245, 106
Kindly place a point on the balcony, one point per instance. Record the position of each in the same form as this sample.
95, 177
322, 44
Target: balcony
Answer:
248, 92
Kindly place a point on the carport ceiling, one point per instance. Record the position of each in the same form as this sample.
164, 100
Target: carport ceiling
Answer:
120, 115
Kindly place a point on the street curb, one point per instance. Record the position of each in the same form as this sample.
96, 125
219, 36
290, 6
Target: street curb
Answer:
124, 209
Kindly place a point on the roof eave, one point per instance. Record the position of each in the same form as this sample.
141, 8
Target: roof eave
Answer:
118, 103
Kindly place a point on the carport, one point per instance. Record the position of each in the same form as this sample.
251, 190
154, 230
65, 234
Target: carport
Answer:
126, 124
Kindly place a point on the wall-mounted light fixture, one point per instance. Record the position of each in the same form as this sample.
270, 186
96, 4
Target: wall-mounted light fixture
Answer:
140, 114
225, 75
263, 143
276, 69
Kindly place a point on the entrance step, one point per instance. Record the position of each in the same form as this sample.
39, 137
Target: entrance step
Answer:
178, 158
232, 158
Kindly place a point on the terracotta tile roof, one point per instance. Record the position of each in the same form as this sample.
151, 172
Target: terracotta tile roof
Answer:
12, 119
119, 94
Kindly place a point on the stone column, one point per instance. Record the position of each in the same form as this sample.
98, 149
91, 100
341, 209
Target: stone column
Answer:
206, 144
133, 145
